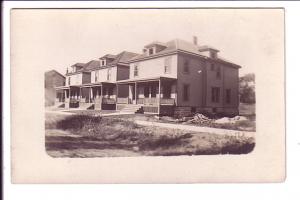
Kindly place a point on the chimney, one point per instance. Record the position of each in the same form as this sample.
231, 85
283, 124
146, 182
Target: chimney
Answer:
195, 40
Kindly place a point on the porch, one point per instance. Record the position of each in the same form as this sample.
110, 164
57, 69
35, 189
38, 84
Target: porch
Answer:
154, 95
87, 96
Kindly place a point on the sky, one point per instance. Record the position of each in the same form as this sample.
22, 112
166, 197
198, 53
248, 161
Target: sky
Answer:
56, 39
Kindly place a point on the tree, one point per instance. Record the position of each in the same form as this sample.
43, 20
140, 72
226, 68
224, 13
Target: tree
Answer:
247, 88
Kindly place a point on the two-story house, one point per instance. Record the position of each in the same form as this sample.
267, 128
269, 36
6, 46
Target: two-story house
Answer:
92, 85
179, 77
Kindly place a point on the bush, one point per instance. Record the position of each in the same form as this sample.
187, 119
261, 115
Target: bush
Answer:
77, 122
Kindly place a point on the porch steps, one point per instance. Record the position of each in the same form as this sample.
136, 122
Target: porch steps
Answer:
131, 109
86, 106
59, 105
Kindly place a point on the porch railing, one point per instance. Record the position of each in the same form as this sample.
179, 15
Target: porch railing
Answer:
154, 101
108, 100
123, 100
167, 101
74, 100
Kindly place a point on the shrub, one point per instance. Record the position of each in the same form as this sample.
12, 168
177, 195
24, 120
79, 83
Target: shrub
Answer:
77, 122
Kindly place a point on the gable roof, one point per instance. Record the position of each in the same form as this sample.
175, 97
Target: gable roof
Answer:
176, 45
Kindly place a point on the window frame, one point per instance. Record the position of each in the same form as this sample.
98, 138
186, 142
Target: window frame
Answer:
215, 94
186, 66
151, 51
186, 92
218, 72
108, 77
136, 70
228, 96
167, 65
96, 76
212, 66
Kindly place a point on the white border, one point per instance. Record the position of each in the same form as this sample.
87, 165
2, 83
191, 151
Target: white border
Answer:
287, 190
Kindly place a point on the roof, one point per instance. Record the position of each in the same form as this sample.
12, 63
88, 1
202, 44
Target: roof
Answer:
155, 43
53, 72
206, 47
156, 78
92, 65
176, 45
123, 57
78, 65
109, 56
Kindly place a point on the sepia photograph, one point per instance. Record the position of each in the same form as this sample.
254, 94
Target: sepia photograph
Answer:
158, 97
168, 83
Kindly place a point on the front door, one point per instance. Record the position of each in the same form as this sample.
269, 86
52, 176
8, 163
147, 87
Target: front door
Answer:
131, 94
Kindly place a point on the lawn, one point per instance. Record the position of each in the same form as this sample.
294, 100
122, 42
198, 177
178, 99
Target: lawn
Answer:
85, 135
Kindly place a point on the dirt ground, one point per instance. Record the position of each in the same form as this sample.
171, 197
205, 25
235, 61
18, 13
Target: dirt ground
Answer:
116, 139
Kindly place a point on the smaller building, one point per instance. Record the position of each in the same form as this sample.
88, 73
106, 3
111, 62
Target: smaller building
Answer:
52, 79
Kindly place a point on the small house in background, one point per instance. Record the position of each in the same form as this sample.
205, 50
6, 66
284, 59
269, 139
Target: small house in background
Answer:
52, 79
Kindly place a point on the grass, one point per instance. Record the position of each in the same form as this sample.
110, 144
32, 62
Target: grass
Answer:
87, 133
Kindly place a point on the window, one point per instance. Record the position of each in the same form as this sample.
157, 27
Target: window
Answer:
212, 66
136, 70
228, 95
96, 75
215, 94
146, 91
213, 54
153, 91
186, 92
151, 51
167, 91
218, 73
186, 68
102, 62
69, 80
167, 68
110, 91
108, 74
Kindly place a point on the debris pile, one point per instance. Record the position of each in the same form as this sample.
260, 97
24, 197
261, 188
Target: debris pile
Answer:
197, 119
233, 120
202, 119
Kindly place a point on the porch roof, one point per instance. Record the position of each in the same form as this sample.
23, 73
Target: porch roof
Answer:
96, 84
147, 79
61, 87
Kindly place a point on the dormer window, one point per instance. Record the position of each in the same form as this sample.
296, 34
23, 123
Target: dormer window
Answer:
213, 54
151, 51
154, 48
102, 62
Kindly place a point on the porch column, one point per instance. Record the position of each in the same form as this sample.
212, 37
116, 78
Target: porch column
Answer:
135, 88
80, 93
101, 91
90, 94
65, 93
159, 87
117, 91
